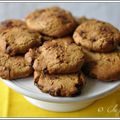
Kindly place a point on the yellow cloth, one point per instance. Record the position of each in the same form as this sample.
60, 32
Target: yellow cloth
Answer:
13, 104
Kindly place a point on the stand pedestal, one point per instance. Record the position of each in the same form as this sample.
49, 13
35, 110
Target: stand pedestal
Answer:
59, 107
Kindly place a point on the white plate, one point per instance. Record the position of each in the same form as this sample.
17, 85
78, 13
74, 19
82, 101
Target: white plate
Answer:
93, 90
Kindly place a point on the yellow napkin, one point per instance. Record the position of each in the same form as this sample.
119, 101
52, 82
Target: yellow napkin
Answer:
15, 105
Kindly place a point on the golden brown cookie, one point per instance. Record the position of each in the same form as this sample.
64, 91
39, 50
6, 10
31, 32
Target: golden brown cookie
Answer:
103, 66
18, 41
60, 85
13, 67
97, 36
59, 56
53, 21
10, 23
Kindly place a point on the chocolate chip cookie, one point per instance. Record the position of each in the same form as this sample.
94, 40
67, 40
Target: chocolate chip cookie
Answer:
59, 56
13, 67
97, 36
18, 41
53, 21
60, 85
103, 66
10, 23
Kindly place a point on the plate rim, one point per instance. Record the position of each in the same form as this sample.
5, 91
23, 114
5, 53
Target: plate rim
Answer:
28, 93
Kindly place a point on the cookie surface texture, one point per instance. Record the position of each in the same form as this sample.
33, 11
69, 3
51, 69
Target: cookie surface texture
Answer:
60, 56
97, 36
10, 23
13, 67
18, 41
60, 85
53, 21
104, 66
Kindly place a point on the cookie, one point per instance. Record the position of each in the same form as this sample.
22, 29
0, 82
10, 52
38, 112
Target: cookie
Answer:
59, 56
97, 36
103, 66
53, 21
18, 41
60, 85
10, 23
13, 67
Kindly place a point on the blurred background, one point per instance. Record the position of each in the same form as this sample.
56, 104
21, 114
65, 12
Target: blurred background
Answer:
103, 11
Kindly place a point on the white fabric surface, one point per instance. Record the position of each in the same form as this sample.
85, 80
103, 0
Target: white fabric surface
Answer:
104, 11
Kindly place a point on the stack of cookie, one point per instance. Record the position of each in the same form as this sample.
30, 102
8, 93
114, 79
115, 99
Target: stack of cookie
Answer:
57, 63
100, 41
15, 41
57, 67
57, 49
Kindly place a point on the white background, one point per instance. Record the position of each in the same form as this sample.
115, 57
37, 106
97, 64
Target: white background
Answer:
104, 11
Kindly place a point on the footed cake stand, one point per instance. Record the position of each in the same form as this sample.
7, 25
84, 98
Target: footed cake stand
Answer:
93, 90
